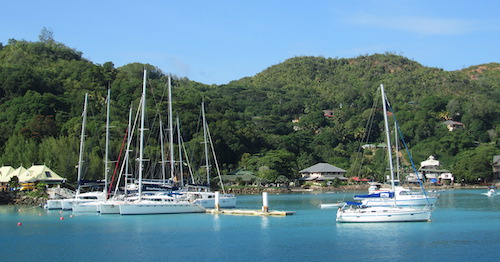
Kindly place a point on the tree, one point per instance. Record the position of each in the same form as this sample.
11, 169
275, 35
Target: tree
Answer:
474, 166
19, 151
14, 182
46, 35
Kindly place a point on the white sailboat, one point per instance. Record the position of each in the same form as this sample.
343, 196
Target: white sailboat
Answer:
202, 194
383, 196
112, 205
93, 206
357, 212
155, 203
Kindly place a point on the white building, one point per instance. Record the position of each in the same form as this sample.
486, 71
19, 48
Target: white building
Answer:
430, 170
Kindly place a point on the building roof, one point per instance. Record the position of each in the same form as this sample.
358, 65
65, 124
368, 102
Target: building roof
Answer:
40, 173
431, 161
5, 172
20, 170
323, 168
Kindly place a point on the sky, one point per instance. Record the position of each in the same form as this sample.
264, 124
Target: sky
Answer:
218, 41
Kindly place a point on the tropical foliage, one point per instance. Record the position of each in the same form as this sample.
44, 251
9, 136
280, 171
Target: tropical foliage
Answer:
42, 86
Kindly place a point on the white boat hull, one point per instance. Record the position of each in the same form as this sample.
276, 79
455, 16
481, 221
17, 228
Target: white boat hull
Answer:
110, 207
54, 204
154, 207
224, 202
67, 204
86, 207
383, 214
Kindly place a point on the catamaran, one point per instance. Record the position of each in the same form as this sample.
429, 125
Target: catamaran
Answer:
154, 203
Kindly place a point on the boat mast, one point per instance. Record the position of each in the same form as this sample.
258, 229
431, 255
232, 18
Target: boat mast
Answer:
170, 129
82, 141
388, 138
141, 142
106, 152
205, 139
162, 149
127, 151
396, 149
179, 139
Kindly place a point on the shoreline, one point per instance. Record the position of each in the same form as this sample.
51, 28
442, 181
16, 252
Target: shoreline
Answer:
21, 198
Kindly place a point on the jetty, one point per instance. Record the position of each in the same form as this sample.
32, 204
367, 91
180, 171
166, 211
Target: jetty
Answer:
248, 212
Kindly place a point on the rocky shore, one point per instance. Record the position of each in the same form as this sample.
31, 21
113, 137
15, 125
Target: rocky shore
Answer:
20, 198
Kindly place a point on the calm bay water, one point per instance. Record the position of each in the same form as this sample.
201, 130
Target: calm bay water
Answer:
465, 227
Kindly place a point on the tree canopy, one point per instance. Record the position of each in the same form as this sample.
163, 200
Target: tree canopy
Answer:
272, 123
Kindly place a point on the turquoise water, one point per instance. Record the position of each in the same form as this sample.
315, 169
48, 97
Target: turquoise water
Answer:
465, 227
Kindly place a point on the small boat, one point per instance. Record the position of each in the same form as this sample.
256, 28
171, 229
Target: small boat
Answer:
491, 192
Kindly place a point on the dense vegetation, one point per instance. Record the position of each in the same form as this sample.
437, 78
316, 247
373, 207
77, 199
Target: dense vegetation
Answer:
42, 87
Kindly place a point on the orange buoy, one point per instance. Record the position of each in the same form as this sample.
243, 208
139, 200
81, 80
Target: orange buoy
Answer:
19, 223
61, 218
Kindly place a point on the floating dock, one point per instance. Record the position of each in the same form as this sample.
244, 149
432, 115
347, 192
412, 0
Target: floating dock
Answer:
249, 212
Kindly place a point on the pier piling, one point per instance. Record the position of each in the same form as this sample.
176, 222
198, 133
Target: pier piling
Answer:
265, 202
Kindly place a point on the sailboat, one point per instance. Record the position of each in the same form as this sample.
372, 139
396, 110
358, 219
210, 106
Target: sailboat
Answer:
358, 212
154, 203
202, 194
93, 206
382, 196
112, 205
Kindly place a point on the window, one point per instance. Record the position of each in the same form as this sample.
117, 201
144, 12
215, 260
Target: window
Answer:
47, 174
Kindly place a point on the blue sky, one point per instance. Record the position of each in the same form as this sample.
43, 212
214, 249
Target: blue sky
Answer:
217, 41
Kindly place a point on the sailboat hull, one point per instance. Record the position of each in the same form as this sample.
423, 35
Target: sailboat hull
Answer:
86, 207
207, 199
223, 203
150, 207
110, 207
383, 214
54, 204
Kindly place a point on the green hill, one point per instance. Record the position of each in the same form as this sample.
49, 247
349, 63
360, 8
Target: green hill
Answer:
42, 85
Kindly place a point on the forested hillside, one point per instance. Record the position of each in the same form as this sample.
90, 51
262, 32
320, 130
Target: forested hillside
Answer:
42, 87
